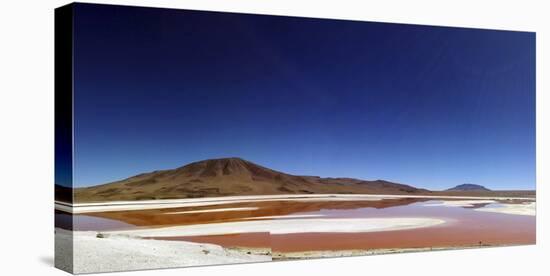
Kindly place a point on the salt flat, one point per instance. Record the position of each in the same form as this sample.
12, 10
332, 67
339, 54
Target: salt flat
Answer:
286, 217
80, 208
213, 210
118, 253
527, 209
286, 226
460, 203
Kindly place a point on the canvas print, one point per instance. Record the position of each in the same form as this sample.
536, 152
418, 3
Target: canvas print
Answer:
190, 138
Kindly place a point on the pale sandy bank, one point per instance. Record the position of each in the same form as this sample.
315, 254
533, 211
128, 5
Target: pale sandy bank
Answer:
285, 217
80, 208
526, 209
460, 203
117, 253
286, 226
214, 210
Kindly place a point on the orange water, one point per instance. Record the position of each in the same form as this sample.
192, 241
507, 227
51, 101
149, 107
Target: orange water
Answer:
463, 227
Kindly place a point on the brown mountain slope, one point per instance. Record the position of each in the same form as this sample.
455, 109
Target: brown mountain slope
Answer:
230, 177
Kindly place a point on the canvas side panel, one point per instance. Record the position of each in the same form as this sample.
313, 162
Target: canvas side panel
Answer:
64, 137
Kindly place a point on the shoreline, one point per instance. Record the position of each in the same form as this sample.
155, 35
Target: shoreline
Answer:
157, 247
317, 254
93, 253
111, 206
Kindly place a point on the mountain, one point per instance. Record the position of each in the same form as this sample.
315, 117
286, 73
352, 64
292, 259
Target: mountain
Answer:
230, 177
468, 187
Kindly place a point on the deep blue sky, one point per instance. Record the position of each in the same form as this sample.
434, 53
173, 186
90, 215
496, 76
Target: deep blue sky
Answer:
428, 106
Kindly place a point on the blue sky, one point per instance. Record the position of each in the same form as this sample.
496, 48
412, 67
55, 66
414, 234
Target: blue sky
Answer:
427, 106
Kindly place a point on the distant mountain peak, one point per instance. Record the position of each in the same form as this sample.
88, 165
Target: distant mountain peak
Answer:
226, 166
229, 177
468, 187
